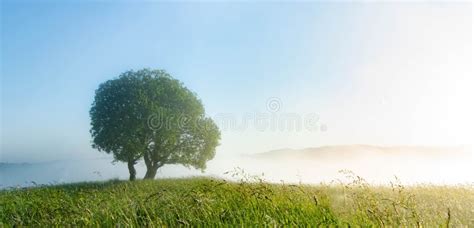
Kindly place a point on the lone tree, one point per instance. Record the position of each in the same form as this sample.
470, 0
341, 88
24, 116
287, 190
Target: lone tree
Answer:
148, 114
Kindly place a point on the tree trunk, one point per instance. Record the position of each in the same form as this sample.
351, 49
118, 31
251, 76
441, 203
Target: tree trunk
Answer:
151, 172
151, 167
131, 170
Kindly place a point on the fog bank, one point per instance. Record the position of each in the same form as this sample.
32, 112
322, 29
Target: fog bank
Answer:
312, 165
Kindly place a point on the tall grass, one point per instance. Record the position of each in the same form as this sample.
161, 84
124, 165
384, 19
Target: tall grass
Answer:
248, 202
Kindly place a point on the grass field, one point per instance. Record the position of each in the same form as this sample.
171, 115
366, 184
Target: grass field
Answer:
249, 202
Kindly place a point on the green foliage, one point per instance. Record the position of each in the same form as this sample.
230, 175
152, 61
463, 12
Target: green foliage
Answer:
149, 114
249, 202
118, 123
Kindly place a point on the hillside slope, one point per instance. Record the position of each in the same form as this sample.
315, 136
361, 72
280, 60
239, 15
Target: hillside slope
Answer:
213, 202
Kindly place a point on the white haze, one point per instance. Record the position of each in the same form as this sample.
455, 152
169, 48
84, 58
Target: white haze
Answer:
377, 169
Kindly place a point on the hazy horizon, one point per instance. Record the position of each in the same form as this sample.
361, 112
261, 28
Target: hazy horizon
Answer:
377, 165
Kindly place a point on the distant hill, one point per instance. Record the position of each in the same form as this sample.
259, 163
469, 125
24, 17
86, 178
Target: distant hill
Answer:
358, 151
7, 165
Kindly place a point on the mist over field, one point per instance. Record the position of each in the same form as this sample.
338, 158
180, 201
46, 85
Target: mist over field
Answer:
378, 165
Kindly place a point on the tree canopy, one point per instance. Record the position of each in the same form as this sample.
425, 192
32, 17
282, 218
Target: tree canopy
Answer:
148, 114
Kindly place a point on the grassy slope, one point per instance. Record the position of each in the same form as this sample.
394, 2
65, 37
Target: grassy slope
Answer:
201, 201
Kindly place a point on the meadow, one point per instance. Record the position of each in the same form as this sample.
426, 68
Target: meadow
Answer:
248, 202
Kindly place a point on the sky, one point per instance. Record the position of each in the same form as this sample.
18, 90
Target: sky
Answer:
360, 73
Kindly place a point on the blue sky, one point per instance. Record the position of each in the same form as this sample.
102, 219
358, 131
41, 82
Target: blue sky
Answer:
235, 56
